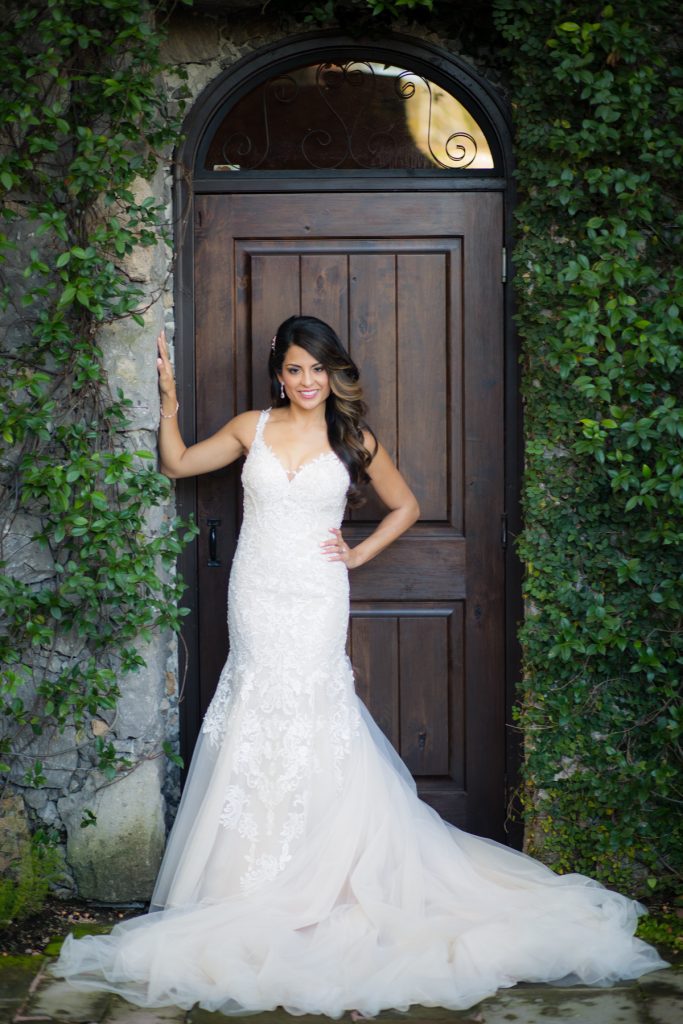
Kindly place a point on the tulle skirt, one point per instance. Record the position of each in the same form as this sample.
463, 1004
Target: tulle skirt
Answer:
383, 905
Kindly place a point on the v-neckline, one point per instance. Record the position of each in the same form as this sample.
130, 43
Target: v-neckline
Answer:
292, 474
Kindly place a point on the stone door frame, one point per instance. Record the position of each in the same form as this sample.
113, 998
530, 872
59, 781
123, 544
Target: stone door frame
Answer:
493, 114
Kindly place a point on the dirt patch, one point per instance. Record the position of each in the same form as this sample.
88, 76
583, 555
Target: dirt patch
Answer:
54, 921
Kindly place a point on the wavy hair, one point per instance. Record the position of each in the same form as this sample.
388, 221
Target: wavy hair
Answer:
344, 409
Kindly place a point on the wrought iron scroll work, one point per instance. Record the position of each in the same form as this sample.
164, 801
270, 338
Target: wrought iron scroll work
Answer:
351, 143
284, 89
466, 147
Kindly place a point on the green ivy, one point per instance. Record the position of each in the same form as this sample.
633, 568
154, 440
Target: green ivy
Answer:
83, 119
356, 16
27, 878
391, 8
597, 100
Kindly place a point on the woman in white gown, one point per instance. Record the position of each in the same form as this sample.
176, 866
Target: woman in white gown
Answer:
302, 870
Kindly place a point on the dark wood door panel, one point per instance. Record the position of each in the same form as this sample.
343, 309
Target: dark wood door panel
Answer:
372, 312
422, 566
425, 686
269, 295
374, 652
391, 214
409, 667
423, 392
325, 289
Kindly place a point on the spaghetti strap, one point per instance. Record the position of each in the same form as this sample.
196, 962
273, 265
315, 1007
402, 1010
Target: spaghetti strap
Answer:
262, 420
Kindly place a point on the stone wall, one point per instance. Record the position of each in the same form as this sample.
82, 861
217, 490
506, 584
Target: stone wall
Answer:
117, 858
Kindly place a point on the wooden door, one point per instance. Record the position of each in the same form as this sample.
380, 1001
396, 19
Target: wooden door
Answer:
412, 284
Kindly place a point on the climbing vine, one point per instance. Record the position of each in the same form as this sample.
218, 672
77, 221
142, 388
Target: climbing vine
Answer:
597, 101
83, 125
356, 16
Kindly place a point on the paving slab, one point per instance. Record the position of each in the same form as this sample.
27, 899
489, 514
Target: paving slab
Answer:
30, 995
416, 1015
609, 1007
663, 995
537, 1004
22, 982
664, 983
121, 1012
56, 1000
17, 973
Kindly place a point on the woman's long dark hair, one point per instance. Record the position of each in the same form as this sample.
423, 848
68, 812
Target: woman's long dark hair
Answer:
345, 409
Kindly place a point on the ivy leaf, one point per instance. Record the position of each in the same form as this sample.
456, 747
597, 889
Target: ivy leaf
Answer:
67, 295
172, 756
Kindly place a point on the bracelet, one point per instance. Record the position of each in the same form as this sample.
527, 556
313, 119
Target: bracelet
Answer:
170, 415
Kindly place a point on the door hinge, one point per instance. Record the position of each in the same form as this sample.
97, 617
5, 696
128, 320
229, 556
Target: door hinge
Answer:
504, 530
504, 265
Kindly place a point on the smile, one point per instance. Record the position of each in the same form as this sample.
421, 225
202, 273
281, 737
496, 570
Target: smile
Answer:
309, 394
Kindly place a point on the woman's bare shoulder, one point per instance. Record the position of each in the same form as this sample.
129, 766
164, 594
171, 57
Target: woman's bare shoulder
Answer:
243, 427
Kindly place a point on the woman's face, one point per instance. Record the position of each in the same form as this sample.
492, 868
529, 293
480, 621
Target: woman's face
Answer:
306, 381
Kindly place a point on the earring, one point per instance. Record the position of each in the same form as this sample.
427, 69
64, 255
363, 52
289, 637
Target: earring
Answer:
282, 390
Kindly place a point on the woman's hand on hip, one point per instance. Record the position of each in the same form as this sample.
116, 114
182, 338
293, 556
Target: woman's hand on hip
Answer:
337, 550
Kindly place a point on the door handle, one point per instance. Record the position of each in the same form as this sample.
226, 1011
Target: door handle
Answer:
213, 525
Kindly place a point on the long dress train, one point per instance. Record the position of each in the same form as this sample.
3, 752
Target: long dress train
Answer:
302, 870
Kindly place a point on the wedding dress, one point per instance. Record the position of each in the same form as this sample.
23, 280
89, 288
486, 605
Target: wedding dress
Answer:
302, 870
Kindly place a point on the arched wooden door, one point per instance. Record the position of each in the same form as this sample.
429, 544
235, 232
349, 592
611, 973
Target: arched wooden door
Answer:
412, 282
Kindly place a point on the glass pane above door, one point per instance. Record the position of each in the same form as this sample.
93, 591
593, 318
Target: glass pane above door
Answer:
356, 115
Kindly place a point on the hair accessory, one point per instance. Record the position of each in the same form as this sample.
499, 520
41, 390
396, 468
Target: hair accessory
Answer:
170, 415
282, 390
272, 343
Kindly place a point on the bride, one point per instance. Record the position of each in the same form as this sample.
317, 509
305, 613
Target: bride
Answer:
302, 870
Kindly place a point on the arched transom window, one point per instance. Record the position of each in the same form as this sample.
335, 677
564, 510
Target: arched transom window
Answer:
346, 116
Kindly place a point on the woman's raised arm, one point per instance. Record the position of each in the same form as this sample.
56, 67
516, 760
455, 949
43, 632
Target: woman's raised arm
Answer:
222, 448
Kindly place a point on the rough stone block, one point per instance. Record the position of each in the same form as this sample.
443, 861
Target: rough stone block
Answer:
57, 751
117, 859
27, 561
146, 263
130, 362
14, 831
191, 39
36, 798
199, 76
137, 710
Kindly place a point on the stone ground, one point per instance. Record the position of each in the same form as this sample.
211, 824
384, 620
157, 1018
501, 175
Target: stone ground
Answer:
30, 995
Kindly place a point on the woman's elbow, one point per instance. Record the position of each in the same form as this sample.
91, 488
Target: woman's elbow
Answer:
167, 471
413, 511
